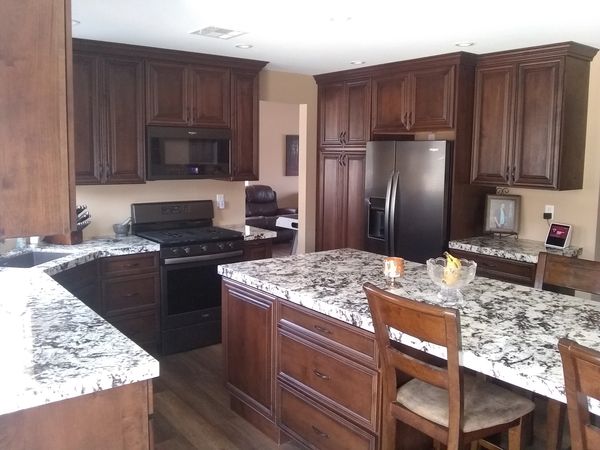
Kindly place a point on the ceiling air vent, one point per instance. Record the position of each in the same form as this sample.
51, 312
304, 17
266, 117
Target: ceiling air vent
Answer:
217, 32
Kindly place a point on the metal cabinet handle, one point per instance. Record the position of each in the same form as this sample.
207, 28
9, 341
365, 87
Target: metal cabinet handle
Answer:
319, 432
128, 265
506, 175
132, 294
512, 174
321, 329
322, 376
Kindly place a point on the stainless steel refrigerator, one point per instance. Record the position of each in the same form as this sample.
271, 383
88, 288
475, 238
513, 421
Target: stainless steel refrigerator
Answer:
406, 195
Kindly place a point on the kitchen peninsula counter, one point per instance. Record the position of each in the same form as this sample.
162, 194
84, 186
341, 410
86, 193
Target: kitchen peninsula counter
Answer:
509, 331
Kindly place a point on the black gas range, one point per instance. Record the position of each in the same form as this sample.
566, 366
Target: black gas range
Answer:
190, 250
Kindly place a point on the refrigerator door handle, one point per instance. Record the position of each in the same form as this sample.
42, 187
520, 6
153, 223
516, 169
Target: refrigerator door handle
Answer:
392, 221
386, 219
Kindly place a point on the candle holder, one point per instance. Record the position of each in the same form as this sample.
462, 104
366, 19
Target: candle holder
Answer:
393, 268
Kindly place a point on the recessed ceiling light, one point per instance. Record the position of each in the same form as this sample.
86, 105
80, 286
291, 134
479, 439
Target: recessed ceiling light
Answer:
75, 22
340, 19
357, 62
217, 32
464, 44
244, 46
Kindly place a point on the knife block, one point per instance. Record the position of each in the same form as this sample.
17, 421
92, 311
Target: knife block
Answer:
72, 238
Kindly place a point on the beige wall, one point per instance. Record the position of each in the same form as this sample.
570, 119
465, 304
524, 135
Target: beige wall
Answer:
276, 121
578, 207
302, 90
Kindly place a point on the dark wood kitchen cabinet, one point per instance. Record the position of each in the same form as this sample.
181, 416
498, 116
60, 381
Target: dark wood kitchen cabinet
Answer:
530, 117
344, 113
244, 142
187, 95
340, 206
500, 268
258, 249
36, 172
109, 118
82, 282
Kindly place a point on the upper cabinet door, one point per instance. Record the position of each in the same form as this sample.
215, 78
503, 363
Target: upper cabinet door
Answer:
537, 124
167, 101
431, 103
390, 103
492, 125
357, 121
332, 107
210, 102
244, 108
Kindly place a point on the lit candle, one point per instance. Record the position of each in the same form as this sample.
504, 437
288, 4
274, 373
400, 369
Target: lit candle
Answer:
393, 267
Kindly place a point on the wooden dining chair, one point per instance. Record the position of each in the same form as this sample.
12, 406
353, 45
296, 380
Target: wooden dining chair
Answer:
453, 408
581, 368
563, 274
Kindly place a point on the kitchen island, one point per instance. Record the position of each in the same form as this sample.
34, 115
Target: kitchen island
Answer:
509, 332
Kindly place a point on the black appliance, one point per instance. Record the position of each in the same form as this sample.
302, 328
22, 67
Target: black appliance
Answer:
190, 250
406, 194
187, 153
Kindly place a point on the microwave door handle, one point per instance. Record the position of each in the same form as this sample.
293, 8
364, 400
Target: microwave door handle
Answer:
386, 217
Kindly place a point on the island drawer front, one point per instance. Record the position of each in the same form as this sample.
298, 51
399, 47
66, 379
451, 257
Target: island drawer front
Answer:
130, 264
129, 294
317, 428
345, 386
500, 268
349, 340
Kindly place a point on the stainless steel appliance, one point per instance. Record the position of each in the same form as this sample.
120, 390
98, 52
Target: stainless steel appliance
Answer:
179, 153
406, 194
190, 250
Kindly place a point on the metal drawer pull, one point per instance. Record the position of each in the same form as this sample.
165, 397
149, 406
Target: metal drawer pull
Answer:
131, 265
133, 294
319, 432
322, 376
321, 329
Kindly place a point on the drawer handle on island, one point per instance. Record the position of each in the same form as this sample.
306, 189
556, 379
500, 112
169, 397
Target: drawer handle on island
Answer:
132, 294
319, 432
321, 329
322, 376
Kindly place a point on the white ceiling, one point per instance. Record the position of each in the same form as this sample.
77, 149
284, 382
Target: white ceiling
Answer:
310, 36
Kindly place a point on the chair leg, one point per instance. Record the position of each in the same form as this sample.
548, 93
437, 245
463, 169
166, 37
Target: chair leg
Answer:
555, 420
475, 445
388, 432
516, 436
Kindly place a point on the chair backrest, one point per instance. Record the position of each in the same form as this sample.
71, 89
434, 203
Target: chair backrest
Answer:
581, 368
426, 322
261, 200
564, 272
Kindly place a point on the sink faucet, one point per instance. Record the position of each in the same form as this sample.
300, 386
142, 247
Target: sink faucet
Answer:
22, 243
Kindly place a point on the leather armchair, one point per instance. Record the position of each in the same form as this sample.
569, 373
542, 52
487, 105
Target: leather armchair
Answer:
262, 211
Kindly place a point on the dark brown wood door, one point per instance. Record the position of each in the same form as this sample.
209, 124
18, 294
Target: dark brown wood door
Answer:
331, 196
167, 97
492, 125
332, 107
353, 165
390, 103
431, 103
86, 119
357, 123
124, 134
244, 111
210, 92
537, 127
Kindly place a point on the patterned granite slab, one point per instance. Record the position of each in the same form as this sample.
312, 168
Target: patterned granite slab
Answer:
53, 346
510, 247
509, 331
252, 233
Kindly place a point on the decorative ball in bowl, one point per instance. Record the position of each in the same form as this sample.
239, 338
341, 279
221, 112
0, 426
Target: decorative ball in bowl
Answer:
451, 274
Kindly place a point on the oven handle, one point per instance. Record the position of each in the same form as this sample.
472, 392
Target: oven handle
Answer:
213, 257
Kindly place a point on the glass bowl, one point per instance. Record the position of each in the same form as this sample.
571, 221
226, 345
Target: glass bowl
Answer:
451, 280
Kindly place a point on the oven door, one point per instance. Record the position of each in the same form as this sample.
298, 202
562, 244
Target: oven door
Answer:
191, 289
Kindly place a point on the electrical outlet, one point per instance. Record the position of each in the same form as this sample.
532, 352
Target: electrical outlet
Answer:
548, 212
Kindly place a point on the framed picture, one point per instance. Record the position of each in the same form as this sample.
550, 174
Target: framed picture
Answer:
291, 155
502, 213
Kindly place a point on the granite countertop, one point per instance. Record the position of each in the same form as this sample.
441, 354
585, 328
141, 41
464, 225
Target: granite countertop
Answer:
54, 347
252, 233
510, 247
509, 331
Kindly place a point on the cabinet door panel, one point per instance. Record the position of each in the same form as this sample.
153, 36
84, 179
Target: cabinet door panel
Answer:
390, 103
354, 216
86, 120
492, 125
125, 120
210, 90
244, 93
331, 113
432, 99
537, 124
167, 94
358, 113
331, 185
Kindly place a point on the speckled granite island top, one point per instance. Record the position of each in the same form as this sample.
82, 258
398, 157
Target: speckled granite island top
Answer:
53, 346
509, 331
510, 247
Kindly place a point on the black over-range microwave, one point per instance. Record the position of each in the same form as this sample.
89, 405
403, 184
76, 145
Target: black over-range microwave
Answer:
175, 153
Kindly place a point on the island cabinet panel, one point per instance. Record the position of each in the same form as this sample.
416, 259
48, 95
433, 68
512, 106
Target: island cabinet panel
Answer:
530, 117
500, 268
116, 419
344, 113
244, 110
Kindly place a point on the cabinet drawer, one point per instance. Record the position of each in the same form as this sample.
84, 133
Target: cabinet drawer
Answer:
354, 343
141, 327
317, 428
123, 265
329, 378
128, 294
500, 268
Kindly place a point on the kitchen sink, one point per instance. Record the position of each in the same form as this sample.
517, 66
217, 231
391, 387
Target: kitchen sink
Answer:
30, 259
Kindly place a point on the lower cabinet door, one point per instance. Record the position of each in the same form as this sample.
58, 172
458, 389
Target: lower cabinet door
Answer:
316, 427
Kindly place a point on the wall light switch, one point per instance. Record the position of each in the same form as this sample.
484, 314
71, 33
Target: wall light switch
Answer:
220, 201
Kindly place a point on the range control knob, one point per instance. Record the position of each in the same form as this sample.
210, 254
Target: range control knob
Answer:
186, 250
230, 244
221, 246
203, 248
